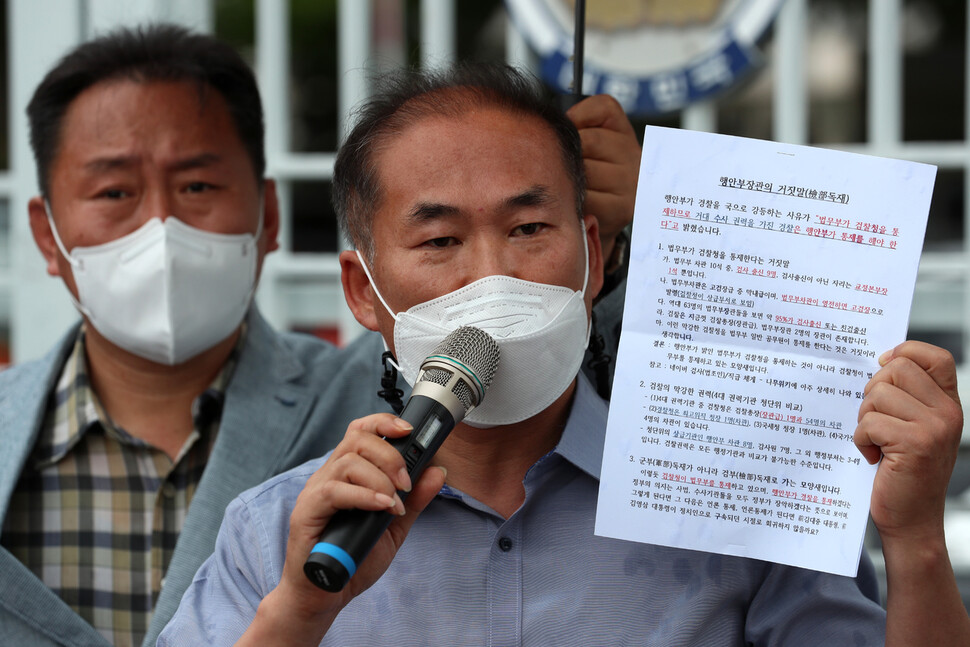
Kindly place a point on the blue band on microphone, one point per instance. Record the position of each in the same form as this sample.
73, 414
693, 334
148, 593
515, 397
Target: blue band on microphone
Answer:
338, 554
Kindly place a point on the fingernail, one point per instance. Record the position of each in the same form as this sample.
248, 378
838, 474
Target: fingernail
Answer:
403, 480
399, 505
884, 358
403, 425
443, 470
384, 500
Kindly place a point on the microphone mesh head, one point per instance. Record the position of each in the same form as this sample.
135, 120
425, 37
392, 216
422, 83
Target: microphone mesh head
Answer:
464, 394
460, 389
474, 348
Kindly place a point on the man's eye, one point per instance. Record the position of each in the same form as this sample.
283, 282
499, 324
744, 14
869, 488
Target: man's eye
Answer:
114, 194
444, 241
528, 229
198, 187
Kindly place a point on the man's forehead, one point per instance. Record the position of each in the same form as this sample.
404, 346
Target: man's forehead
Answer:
107, 126
107, 90
488, 126
470, 110
438, 151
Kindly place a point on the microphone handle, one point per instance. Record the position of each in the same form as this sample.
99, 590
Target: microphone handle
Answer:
351, 534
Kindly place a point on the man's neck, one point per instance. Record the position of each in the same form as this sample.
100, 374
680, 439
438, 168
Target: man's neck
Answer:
150, 401
490, 464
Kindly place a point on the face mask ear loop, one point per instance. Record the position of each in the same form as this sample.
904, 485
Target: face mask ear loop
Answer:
586, 256
259, 225
259, 232
75, 263
374, 285
589, 324
390, 358
57, 239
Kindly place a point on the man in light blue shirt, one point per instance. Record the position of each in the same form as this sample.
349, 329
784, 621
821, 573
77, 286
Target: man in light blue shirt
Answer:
448, 186
468, 576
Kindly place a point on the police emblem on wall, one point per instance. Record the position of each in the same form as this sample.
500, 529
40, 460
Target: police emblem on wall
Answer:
652, 55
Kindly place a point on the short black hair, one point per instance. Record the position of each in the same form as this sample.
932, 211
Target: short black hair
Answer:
410, 95
156, 52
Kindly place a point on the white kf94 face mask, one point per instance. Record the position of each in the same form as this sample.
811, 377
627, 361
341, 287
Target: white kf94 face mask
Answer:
166, 291
541, 330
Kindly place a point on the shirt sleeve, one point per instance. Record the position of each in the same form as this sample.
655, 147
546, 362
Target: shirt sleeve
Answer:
221, 602
798, 607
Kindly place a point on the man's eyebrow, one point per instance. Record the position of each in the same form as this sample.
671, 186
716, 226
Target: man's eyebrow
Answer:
103, 164
426, 211
536, 196
197, 161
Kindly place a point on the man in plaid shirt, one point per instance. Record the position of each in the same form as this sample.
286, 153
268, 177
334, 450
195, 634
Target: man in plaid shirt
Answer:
172, 394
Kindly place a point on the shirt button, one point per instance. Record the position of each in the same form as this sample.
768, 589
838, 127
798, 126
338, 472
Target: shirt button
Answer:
505, 544
168, 490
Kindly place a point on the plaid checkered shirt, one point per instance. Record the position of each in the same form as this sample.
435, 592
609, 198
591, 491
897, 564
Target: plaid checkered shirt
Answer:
96, 512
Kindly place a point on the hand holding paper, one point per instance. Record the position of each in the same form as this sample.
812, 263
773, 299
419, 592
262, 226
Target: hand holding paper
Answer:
911, 419
611, 159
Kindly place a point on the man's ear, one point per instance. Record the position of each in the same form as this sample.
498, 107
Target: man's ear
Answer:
592, 227
40, 227
357, 289
271, 216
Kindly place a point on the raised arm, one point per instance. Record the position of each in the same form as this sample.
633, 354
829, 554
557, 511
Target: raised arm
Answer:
911, 418
611, 155
363, 472
251, 591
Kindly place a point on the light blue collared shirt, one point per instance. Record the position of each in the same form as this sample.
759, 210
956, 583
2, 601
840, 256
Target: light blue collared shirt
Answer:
466, 576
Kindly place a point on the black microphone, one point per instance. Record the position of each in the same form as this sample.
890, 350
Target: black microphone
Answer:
451, 382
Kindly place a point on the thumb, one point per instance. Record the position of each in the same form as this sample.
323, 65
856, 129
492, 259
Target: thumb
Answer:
430, 483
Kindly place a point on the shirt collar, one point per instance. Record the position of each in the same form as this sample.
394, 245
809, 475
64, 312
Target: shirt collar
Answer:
76, 409
207, 408
582, 439
72, 412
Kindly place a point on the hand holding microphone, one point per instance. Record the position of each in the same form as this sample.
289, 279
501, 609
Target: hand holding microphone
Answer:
452, 382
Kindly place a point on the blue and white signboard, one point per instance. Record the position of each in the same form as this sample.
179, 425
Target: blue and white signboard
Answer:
654, 56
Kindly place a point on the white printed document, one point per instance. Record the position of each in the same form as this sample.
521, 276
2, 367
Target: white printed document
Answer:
765, 281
